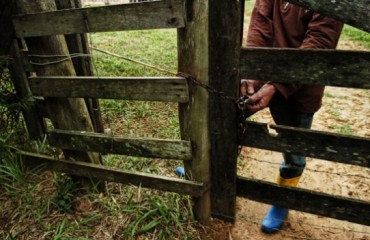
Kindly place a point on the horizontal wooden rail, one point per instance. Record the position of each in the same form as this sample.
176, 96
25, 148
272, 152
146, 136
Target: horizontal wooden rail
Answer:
110, 174
318, 203
334, 147
168, 89
309, 66
102, 143
352, 12
146, 15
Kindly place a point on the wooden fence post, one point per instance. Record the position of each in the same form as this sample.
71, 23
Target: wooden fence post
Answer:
194, 120
209, 48
224, 47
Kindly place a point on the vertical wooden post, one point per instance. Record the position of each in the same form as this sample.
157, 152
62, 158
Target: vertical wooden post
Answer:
224, 47
193, 50
209, 51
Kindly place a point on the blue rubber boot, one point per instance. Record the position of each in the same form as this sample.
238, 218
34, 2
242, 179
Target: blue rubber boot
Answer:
180, 171
276, 216
274, 219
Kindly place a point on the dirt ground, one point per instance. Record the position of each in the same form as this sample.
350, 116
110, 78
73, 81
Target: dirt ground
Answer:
344, 111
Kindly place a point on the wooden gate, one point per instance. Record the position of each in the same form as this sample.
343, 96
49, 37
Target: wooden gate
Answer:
212, 62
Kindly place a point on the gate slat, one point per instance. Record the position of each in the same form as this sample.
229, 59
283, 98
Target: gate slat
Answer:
308, 66
137, 16
102, 143
104, 173
342, 208
352, 12
334, 147
168, 89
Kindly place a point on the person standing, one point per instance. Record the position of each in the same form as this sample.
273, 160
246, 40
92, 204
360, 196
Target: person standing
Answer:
280, 24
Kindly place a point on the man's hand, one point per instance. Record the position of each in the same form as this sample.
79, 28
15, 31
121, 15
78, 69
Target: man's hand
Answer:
248, 87
261, 98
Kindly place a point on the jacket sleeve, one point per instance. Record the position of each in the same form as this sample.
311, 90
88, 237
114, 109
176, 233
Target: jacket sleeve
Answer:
260, 32
322, 32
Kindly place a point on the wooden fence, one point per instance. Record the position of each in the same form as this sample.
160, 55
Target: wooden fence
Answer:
209, 128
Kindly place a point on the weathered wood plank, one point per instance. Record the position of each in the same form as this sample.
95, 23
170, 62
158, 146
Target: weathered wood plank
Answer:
224, 48
334, 147
342, 208
170, 89
352, 12
309, 66
110, 174
194, 118
102, 143
145, 15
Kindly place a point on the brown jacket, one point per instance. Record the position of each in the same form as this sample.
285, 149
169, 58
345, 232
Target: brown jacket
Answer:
278, 23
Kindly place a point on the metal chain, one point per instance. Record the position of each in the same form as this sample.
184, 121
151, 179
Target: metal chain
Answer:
210, 89
240, 103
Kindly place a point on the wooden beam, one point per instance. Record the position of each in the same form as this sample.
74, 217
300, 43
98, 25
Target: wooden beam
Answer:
170, 89
194, 118
309, 66
145, 15
352, 12
330, 146
110, 174
318, 203
102, 143
224, 48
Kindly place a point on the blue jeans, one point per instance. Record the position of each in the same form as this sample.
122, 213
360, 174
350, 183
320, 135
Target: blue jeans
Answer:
283, 114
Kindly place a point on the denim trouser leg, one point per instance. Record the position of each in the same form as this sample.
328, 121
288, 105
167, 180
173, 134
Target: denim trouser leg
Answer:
283, 114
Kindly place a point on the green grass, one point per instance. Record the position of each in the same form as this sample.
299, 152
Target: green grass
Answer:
356, 35
51, 205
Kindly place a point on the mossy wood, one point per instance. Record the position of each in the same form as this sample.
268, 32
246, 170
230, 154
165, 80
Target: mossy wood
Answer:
318, 203
224, 47
352, 12
169, 89
194, 117
110, 174
323, 145
308, 66
102, 143
136, 16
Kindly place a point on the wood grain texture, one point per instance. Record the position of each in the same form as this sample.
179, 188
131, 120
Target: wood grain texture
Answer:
136, 16
169, 89
352, 12
318, 203
323, 145
110, 174
102, 143
308, 66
